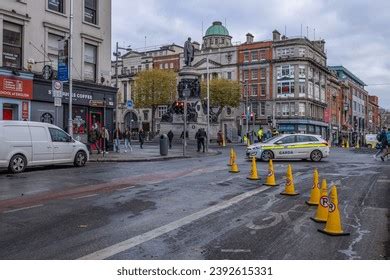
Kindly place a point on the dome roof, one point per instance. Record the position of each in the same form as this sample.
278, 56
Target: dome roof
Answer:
217, 29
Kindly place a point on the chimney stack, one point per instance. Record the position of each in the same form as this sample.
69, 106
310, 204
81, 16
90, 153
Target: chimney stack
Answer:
249, 38
275, 35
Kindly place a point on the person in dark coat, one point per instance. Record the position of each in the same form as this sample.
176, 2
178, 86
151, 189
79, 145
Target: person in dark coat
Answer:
200, 137
170, 138
141, 138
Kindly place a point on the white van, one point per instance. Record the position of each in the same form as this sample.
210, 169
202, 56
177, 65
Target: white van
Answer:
25, 144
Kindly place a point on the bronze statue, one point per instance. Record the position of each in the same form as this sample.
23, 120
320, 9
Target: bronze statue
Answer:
188, 52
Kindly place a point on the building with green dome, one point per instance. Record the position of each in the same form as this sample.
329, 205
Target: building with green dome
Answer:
217, 36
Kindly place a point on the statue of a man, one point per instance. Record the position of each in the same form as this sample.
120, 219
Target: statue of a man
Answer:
188, 52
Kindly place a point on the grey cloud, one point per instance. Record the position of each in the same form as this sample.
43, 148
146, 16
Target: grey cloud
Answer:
356, 32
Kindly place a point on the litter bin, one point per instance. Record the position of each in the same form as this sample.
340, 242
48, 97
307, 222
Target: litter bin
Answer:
164, 145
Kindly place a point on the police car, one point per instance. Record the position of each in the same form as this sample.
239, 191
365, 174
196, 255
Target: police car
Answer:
290, 146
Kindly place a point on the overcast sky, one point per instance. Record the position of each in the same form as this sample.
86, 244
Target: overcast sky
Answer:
357, 32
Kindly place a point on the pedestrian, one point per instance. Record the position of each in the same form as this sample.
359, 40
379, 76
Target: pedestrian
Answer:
170, 138
141, 138
94, 138
117, 139
260, 134
127, 137
219, 138
105, 138
384, 143
200, 137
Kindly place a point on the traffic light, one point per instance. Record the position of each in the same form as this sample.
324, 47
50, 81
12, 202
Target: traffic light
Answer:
178, 107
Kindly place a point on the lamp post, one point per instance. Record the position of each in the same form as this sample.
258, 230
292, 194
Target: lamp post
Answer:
117, 54
208, 105
247, 114
70, 51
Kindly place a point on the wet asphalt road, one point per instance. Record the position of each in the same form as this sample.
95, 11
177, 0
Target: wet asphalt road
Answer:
191, 209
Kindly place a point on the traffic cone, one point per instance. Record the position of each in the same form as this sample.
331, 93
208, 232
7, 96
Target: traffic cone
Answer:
289, 188
271, 182
231, 157
315, 190
234, 168
347, 145
322, 209
333, 224
253, 175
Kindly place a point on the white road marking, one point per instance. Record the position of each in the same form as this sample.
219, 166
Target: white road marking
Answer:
123, 189
147, 236
235, 251
24, 208
383, 181
85, 196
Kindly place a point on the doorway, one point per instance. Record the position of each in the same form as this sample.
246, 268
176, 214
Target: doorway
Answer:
7, 114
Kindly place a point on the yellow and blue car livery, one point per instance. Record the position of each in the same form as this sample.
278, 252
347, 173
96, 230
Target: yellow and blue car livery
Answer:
290, 146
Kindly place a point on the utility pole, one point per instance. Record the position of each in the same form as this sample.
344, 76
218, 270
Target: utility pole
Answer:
208, 105
70, 51
185, 127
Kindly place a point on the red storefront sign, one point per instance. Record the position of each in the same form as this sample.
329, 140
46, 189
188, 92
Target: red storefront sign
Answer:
12, 87
25, 110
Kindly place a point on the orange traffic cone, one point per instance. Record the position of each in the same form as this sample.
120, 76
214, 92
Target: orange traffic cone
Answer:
289, 189
234, 168
333, 224
253, 175
322, 209
315, 191
231, 157
271, 182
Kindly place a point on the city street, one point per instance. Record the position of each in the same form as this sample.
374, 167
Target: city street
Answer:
192, 209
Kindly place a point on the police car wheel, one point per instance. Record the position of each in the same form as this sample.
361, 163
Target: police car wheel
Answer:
316, 155
267, 155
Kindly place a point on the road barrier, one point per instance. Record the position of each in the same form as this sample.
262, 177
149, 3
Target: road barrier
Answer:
315, 191
289, 187
333, 223
253, 174
322, 209
271, 182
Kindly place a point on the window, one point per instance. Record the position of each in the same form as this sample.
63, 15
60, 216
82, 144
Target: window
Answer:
287, 139
254, 91
311, 71
229, 75
354, 106
292, 109
90, 11
147, 66
146, 115
161, 66
223, 41
316, 92
161, 111
12, 45
302, 109
310, 92
286, 89
58, 135
255, 73
139, 68
304, 138
286, 70
56, 5
246, 57
171, 65
302, 71
262, 108
132, 69
53, 48
90, 55
302, 88
166, 66
263, 90
285, 109
301, 51
263, 55
246, 75
263, 73
255, 55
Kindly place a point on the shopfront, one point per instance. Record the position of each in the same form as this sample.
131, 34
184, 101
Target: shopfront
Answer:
16, 92
92, 105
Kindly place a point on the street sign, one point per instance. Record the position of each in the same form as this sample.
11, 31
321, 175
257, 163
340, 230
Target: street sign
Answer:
130, 104
63, 68
57, 102
56, 89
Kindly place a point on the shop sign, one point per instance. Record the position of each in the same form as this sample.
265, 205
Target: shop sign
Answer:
12, 87
96, 103
25, 110
57, 88
57, 101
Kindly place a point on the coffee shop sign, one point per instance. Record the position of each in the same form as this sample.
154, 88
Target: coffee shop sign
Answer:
76, 95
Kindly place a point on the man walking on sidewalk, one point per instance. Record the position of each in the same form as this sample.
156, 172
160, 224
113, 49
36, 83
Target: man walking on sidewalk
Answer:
200, 137
141, 138
170, 138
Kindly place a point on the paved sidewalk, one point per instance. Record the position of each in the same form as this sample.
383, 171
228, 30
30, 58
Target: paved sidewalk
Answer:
150, 152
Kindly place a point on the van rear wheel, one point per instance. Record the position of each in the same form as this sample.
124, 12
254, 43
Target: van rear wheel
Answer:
80, 159
17, 164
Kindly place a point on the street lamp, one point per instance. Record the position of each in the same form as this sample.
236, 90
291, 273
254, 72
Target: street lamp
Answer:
246, 106
117, 54
208, 105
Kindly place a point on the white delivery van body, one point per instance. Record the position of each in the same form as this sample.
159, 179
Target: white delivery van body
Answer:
33, 143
